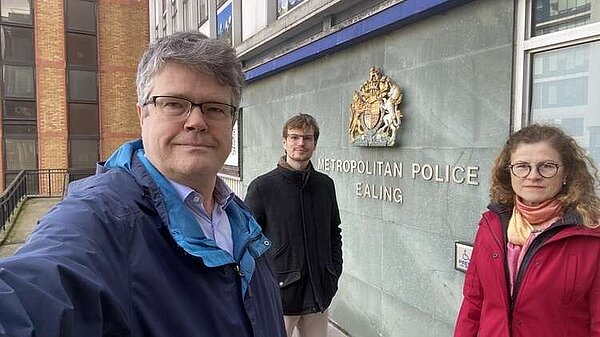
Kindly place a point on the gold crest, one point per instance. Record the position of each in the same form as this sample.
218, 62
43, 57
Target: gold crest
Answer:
375, 111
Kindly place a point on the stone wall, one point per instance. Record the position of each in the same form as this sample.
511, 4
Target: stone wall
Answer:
455, 71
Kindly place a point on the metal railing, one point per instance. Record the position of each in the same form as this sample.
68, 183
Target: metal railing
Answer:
53, 183
48, 182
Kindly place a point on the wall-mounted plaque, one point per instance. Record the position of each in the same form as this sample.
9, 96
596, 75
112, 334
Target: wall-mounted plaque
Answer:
462, 255
375, 111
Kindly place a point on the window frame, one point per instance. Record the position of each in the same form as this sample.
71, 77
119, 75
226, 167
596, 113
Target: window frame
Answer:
71, 69
527, 45
19, 23
233, 170
202, 15
68, 24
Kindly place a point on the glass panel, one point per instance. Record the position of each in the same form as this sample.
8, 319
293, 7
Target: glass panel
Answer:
224, 29
565, 84
202, 11
82, 85
17, 44
20, 154
554, 15
81, 49
18, 82
19, 110
8, 178
83, 119
17, 11
29, 130
83, 153
284, 6
81, 15
184, 14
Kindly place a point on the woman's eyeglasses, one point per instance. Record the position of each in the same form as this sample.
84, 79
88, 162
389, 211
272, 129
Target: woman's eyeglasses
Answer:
545, 169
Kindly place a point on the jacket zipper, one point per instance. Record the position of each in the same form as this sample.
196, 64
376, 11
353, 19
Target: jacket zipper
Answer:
305, 178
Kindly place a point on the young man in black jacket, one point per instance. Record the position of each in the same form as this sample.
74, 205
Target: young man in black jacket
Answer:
297, 209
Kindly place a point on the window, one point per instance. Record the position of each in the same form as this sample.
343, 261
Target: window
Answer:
556, 15
18, 82
83, 153
202, 11
224, 22
284, 6
17, 59
233, 162
17, 45
20, 154
184, 14
558, 68
81, 49
16, 11
20, 129
19, 110
81, 16
83, 120
174, 15
82, 71
82, 85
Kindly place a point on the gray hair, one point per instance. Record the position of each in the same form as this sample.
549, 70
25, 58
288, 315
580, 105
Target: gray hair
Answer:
199, 53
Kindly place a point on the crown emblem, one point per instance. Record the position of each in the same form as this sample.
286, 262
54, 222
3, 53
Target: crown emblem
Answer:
375, 111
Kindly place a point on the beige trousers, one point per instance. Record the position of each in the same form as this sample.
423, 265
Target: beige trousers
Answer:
311, 325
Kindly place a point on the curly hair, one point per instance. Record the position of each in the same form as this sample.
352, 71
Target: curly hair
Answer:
580, 170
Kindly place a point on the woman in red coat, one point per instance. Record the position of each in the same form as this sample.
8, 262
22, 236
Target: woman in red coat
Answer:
535, 268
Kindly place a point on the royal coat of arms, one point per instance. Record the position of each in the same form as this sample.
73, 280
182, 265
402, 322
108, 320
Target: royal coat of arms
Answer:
375, 111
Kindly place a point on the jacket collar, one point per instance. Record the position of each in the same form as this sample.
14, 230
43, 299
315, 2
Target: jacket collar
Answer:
299, 178
568, 225
248, 240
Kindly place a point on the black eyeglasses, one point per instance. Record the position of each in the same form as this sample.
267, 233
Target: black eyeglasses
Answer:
545, 169
180, 108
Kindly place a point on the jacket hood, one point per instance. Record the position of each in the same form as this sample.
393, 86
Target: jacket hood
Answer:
123, 156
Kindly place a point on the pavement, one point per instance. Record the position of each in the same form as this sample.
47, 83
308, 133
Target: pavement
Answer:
17, 232
32, 209
332, 331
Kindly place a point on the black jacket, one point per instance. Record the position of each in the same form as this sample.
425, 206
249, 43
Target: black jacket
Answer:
298, 211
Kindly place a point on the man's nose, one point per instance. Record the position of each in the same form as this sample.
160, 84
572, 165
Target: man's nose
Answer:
196, 119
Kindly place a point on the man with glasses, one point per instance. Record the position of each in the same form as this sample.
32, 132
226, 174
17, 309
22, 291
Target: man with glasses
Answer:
297, 208
155, 244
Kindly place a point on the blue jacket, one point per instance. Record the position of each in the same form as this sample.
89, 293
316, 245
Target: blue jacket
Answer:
115, 258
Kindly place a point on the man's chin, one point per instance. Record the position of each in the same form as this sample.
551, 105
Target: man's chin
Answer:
301, 158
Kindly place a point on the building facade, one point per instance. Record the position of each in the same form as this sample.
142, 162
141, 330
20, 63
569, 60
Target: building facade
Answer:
68, 81
469, 72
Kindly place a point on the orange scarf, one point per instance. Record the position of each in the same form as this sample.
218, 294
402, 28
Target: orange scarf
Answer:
525, 217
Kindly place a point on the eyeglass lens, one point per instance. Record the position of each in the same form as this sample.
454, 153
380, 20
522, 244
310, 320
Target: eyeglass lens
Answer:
180, 107
546, 170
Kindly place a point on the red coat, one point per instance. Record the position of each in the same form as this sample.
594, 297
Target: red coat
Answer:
557, 292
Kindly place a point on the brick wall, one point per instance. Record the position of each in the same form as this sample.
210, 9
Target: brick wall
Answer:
123, 36
50, 84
